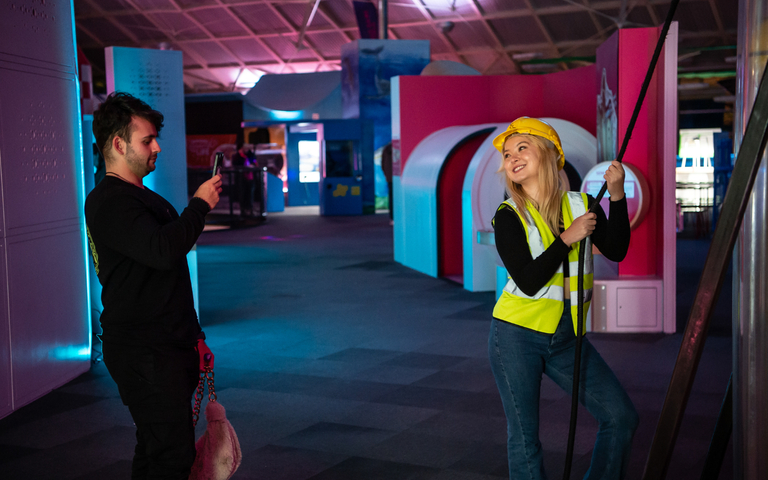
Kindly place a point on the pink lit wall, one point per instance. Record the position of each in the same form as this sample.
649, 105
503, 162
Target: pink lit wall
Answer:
625, 56
647, 147
430, 103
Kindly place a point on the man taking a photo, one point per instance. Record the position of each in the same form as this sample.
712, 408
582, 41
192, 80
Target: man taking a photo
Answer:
153, 345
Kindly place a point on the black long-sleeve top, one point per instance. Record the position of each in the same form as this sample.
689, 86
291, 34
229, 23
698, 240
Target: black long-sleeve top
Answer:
139, 245
611, 236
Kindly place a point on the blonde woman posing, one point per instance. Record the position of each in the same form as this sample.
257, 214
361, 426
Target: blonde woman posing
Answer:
533, 332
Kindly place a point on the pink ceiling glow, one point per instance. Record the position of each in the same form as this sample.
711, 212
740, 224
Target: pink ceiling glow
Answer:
229, 44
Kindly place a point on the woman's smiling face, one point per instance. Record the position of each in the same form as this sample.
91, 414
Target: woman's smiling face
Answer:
521, 159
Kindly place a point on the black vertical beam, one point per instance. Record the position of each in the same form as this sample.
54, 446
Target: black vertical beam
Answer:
383, 20
727, 230
720, 438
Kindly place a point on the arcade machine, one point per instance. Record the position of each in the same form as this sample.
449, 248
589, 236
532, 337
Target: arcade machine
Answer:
270, 157
346, 167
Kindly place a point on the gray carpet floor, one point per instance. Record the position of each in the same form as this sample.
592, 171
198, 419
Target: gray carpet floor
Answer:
335, 362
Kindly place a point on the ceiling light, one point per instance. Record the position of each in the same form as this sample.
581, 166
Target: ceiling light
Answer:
524, 57
248, 78
692, 86
687, 56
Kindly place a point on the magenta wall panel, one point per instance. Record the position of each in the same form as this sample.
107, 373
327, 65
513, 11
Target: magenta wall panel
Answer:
44, 306
650, 251
651, 260
426, 104
575, 106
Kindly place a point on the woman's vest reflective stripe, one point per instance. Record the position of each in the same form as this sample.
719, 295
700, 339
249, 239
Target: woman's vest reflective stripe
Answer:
542, 311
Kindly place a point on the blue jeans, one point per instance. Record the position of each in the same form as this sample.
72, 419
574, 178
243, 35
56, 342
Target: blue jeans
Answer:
519, 357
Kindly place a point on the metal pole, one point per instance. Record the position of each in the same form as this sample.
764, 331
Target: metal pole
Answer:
734, 206
383, 20
750, 331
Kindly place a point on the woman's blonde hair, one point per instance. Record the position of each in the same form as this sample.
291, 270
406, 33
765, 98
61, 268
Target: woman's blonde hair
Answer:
549, 184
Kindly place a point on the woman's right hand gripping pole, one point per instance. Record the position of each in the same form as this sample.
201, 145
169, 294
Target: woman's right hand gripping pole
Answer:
581, 228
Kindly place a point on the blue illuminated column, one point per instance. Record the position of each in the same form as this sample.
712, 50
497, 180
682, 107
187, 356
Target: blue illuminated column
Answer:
366, 69
156, 77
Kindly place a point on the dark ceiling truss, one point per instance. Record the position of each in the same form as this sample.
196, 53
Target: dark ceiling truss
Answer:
225, 40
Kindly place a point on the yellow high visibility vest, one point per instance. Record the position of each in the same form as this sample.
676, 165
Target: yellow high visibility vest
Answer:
542, 311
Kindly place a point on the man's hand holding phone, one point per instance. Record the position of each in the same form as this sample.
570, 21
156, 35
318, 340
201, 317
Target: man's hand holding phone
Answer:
217, 163
210, 189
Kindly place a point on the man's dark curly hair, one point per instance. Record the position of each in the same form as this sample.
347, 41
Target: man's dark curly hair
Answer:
113, 119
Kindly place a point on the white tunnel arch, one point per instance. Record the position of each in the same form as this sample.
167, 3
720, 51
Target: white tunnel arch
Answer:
416, 208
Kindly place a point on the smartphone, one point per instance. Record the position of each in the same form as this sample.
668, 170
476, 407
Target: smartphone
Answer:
217, 161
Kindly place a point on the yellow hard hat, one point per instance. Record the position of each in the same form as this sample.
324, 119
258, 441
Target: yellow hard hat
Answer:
531, 126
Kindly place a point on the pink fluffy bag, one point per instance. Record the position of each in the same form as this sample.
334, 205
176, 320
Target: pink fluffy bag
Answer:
218, 450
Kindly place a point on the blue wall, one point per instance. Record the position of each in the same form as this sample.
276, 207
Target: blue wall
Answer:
361, 132
367, 67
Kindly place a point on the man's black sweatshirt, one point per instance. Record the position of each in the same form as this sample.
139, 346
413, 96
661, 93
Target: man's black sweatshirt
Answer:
139, 245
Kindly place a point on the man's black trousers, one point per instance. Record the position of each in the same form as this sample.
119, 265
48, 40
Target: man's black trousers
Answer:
157, 384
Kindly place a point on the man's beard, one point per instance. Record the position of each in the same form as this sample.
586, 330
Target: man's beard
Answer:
138, 165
